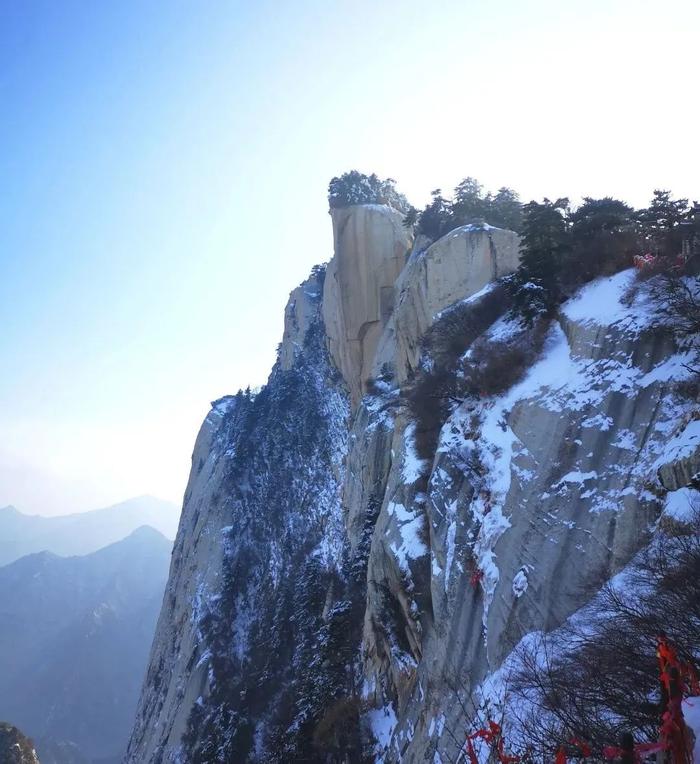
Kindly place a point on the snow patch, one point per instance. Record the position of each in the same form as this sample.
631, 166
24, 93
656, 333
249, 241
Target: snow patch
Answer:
682, 505
382, 722
413, 468
684, 444
410, 525
520, 583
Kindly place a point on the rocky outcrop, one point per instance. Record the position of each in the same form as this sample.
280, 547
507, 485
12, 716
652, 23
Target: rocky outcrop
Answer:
15, 748
530, 496
246, 647
454, 268
370, 249
679, 466
389, 589
301, 310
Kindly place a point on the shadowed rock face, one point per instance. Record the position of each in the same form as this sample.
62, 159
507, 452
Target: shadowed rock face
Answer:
15, 748
371, 246
252, 639
334, 597
436, 276
539, 491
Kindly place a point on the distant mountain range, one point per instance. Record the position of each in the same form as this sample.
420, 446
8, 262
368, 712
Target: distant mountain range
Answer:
75, 634
82, 533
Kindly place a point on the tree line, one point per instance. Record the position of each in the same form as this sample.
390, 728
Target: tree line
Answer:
562, 246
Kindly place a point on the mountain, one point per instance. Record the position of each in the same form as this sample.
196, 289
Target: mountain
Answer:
15, 748
362, 548
74, 639
83, 532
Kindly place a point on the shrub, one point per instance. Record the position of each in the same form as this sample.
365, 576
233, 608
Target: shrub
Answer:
450, 374
536, 285
435, 389
457, 327
495, 366
598, 678
356, 188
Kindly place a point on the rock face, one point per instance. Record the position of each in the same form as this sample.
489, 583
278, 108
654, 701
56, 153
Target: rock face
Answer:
15, 748
248, 651
454, 268
371, 246
353, 601
680, 466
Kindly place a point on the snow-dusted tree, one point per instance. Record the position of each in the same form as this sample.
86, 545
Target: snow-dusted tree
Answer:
603, 239
505, 210
535, 285
355, 187
660, 221
598, 676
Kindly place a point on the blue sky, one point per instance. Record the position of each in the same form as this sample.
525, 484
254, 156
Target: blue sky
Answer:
163, 170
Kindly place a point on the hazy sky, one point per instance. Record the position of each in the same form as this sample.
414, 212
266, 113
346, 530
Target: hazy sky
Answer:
164, 165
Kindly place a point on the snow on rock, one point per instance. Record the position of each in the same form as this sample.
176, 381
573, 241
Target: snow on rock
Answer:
410, 524
520, 582
679, 462
682, 504
413, 468
691, 713
579, 477
601, 302
682, 445
558, 479
382, 723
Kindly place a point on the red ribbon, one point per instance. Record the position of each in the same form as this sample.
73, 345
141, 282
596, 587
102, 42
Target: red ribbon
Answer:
489, 736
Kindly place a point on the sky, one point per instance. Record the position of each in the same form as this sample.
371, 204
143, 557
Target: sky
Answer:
163, 177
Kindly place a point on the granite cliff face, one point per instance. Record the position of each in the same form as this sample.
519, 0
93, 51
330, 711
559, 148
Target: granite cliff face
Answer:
333, 595
371, 246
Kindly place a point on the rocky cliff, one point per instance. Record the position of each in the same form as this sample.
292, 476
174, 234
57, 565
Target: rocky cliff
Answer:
336, 592
15, 748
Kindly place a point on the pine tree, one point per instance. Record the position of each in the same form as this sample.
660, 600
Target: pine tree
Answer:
469, 204
411, 218
660, 220
505, 210
602, 239
535, 285
436, 219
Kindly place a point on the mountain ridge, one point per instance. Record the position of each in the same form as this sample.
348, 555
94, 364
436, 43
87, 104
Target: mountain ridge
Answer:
74, 639
82, 532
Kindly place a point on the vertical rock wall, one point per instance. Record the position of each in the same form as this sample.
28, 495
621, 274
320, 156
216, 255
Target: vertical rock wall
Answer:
334, 597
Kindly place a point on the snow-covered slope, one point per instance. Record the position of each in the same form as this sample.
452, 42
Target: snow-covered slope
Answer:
334, 597
537, 491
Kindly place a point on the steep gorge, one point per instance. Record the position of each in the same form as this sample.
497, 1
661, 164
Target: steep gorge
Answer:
333, 596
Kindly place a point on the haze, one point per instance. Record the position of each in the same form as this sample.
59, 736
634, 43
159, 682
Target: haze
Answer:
164, 169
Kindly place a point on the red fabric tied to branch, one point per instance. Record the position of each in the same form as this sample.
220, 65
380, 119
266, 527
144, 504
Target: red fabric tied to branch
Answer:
490, 736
